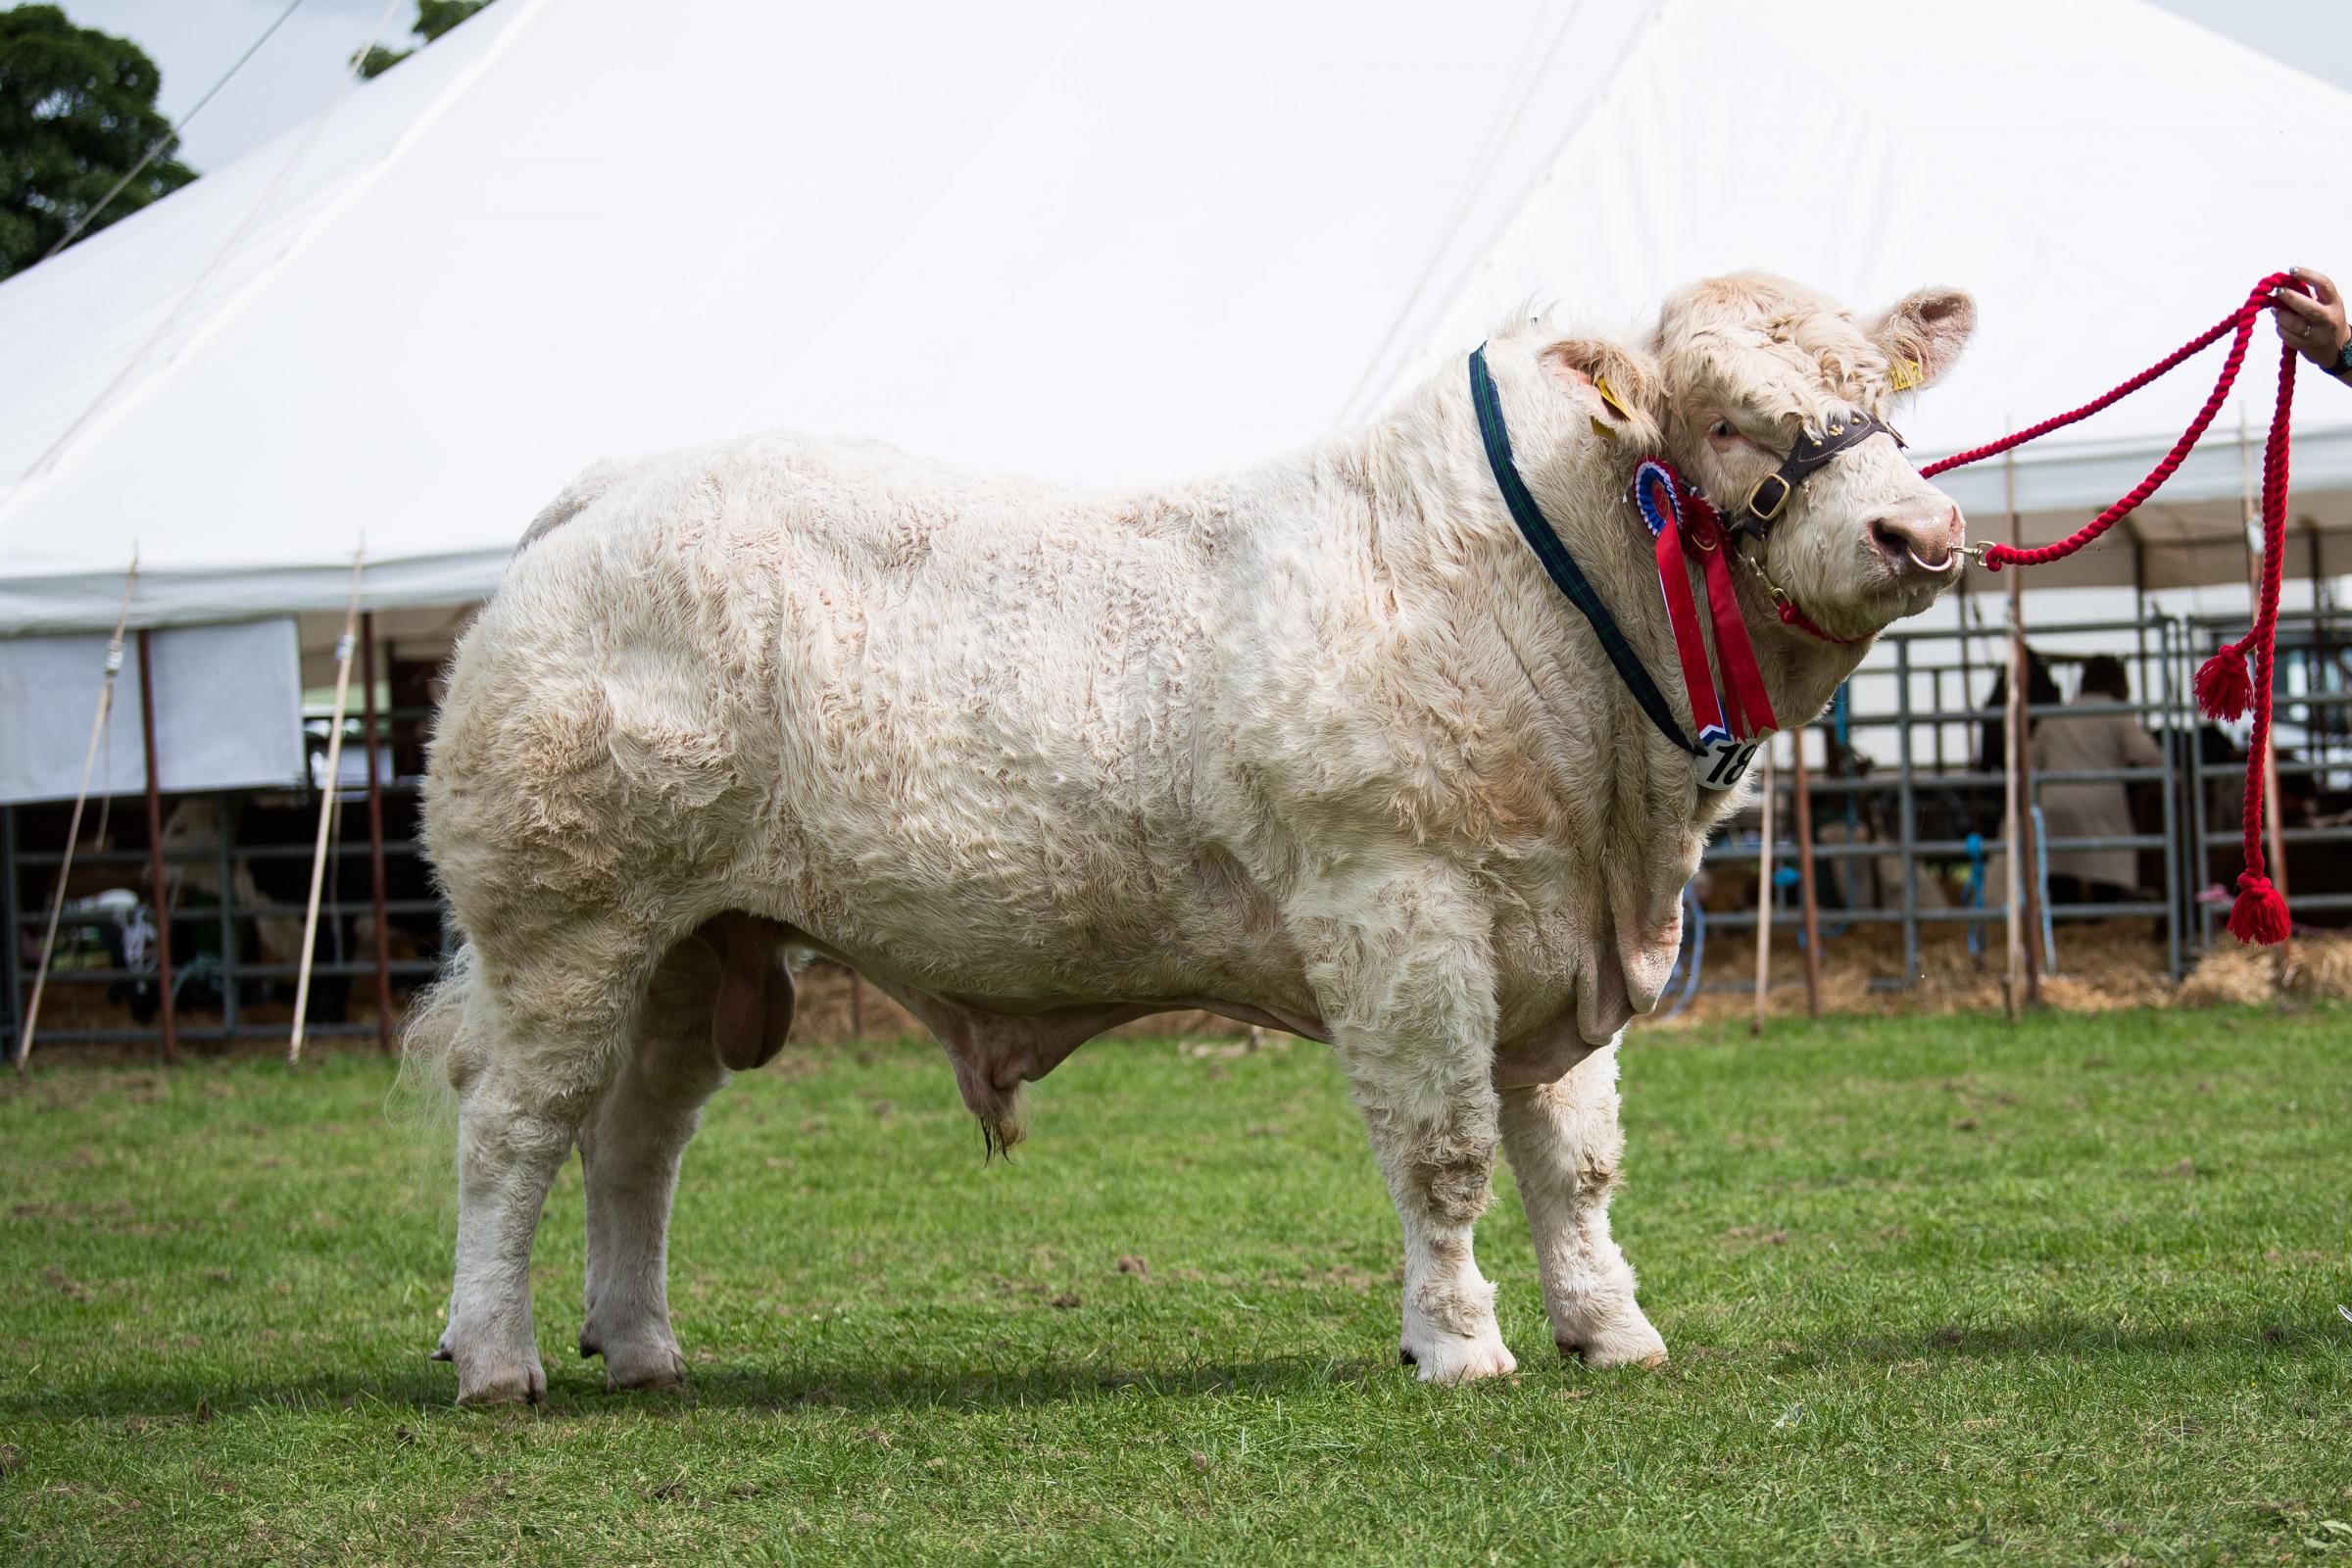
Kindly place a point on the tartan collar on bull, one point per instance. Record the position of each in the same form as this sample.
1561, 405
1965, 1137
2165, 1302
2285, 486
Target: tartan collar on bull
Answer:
1683, 524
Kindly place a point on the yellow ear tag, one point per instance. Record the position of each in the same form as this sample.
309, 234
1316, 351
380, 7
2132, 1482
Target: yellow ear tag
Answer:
1611, 398
1607, 432
1904, 374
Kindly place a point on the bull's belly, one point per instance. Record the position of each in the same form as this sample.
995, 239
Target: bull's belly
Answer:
1040, 961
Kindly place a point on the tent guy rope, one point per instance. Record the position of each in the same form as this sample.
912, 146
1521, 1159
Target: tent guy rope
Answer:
170, 138
2225, 685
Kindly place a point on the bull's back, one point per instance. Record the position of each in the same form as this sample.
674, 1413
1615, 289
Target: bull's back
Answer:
849, 677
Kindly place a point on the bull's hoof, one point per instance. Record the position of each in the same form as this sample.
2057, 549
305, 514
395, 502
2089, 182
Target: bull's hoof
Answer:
1628, 1344
1458, 1358
647, 1366
505, 1383
644, 1358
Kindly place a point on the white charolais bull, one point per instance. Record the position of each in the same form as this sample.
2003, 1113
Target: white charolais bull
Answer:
1316, 746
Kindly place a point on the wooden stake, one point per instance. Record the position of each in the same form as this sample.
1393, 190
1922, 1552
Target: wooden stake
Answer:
1801, 803
1764, 899
2013, 983
327, 812
81, 797
156, 875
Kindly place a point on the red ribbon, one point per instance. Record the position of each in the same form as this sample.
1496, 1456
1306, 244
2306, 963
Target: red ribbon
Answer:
1690, 644
1688, 528
1751, 708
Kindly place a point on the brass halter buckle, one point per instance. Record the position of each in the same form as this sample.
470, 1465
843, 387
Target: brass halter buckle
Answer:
1780, 600
1754, 505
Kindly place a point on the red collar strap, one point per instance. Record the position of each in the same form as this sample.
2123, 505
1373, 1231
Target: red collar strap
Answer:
1686, 528
1785, 608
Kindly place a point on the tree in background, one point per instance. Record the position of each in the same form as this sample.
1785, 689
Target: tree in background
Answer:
433, 19
77, 115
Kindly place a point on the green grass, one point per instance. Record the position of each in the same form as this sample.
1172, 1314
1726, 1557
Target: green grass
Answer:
1935, 1288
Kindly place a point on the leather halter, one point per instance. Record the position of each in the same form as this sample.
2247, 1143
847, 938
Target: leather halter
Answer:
1726, 740
1767, 500
1558, 564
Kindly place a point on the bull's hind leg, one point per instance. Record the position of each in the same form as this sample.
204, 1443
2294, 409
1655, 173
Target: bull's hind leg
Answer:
716, 1004
1564, 1144
536, 1049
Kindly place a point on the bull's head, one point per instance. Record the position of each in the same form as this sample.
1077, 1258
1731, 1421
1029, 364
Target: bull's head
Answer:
1751, 365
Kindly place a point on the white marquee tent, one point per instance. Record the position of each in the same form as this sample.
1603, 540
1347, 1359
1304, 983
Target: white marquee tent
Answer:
1108, 244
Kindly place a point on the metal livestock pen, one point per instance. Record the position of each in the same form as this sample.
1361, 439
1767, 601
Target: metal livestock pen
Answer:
1907, 816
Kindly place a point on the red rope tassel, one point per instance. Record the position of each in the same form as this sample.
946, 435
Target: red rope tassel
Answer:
2225, 687
2259, 916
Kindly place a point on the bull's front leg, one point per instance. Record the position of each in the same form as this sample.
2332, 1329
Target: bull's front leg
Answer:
1408, 988
1564, 1144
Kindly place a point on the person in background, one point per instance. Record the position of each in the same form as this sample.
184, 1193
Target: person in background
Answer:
2042, 691
2070, 743
2316, 325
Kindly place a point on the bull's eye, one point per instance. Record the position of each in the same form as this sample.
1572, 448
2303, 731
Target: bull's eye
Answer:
1723, 434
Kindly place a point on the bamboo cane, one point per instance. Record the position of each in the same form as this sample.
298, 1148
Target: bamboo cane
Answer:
326, 810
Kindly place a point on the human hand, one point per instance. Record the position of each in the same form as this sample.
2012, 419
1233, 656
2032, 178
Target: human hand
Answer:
2314, 323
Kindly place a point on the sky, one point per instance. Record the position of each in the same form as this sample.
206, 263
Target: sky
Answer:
302, 67
292, 76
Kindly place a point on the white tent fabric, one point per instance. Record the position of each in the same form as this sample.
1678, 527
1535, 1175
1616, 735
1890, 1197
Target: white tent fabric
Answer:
1106, 244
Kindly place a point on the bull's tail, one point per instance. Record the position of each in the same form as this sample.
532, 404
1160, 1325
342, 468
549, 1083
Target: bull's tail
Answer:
429, 1038
578, 497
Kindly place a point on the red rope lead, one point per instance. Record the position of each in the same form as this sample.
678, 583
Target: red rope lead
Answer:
2260, 913
2225, 686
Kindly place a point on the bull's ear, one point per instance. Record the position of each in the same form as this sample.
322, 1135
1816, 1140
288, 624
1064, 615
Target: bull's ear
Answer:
1620, 386
1923, 333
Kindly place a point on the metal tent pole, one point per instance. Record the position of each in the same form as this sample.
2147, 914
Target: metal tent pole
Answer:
2013, 804
2167, 630
13, 1018
2276, 835
1906, 807
1965, 621
2140, 598
2319, 732
226, 862
156, 876
2199, 851
375, 839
